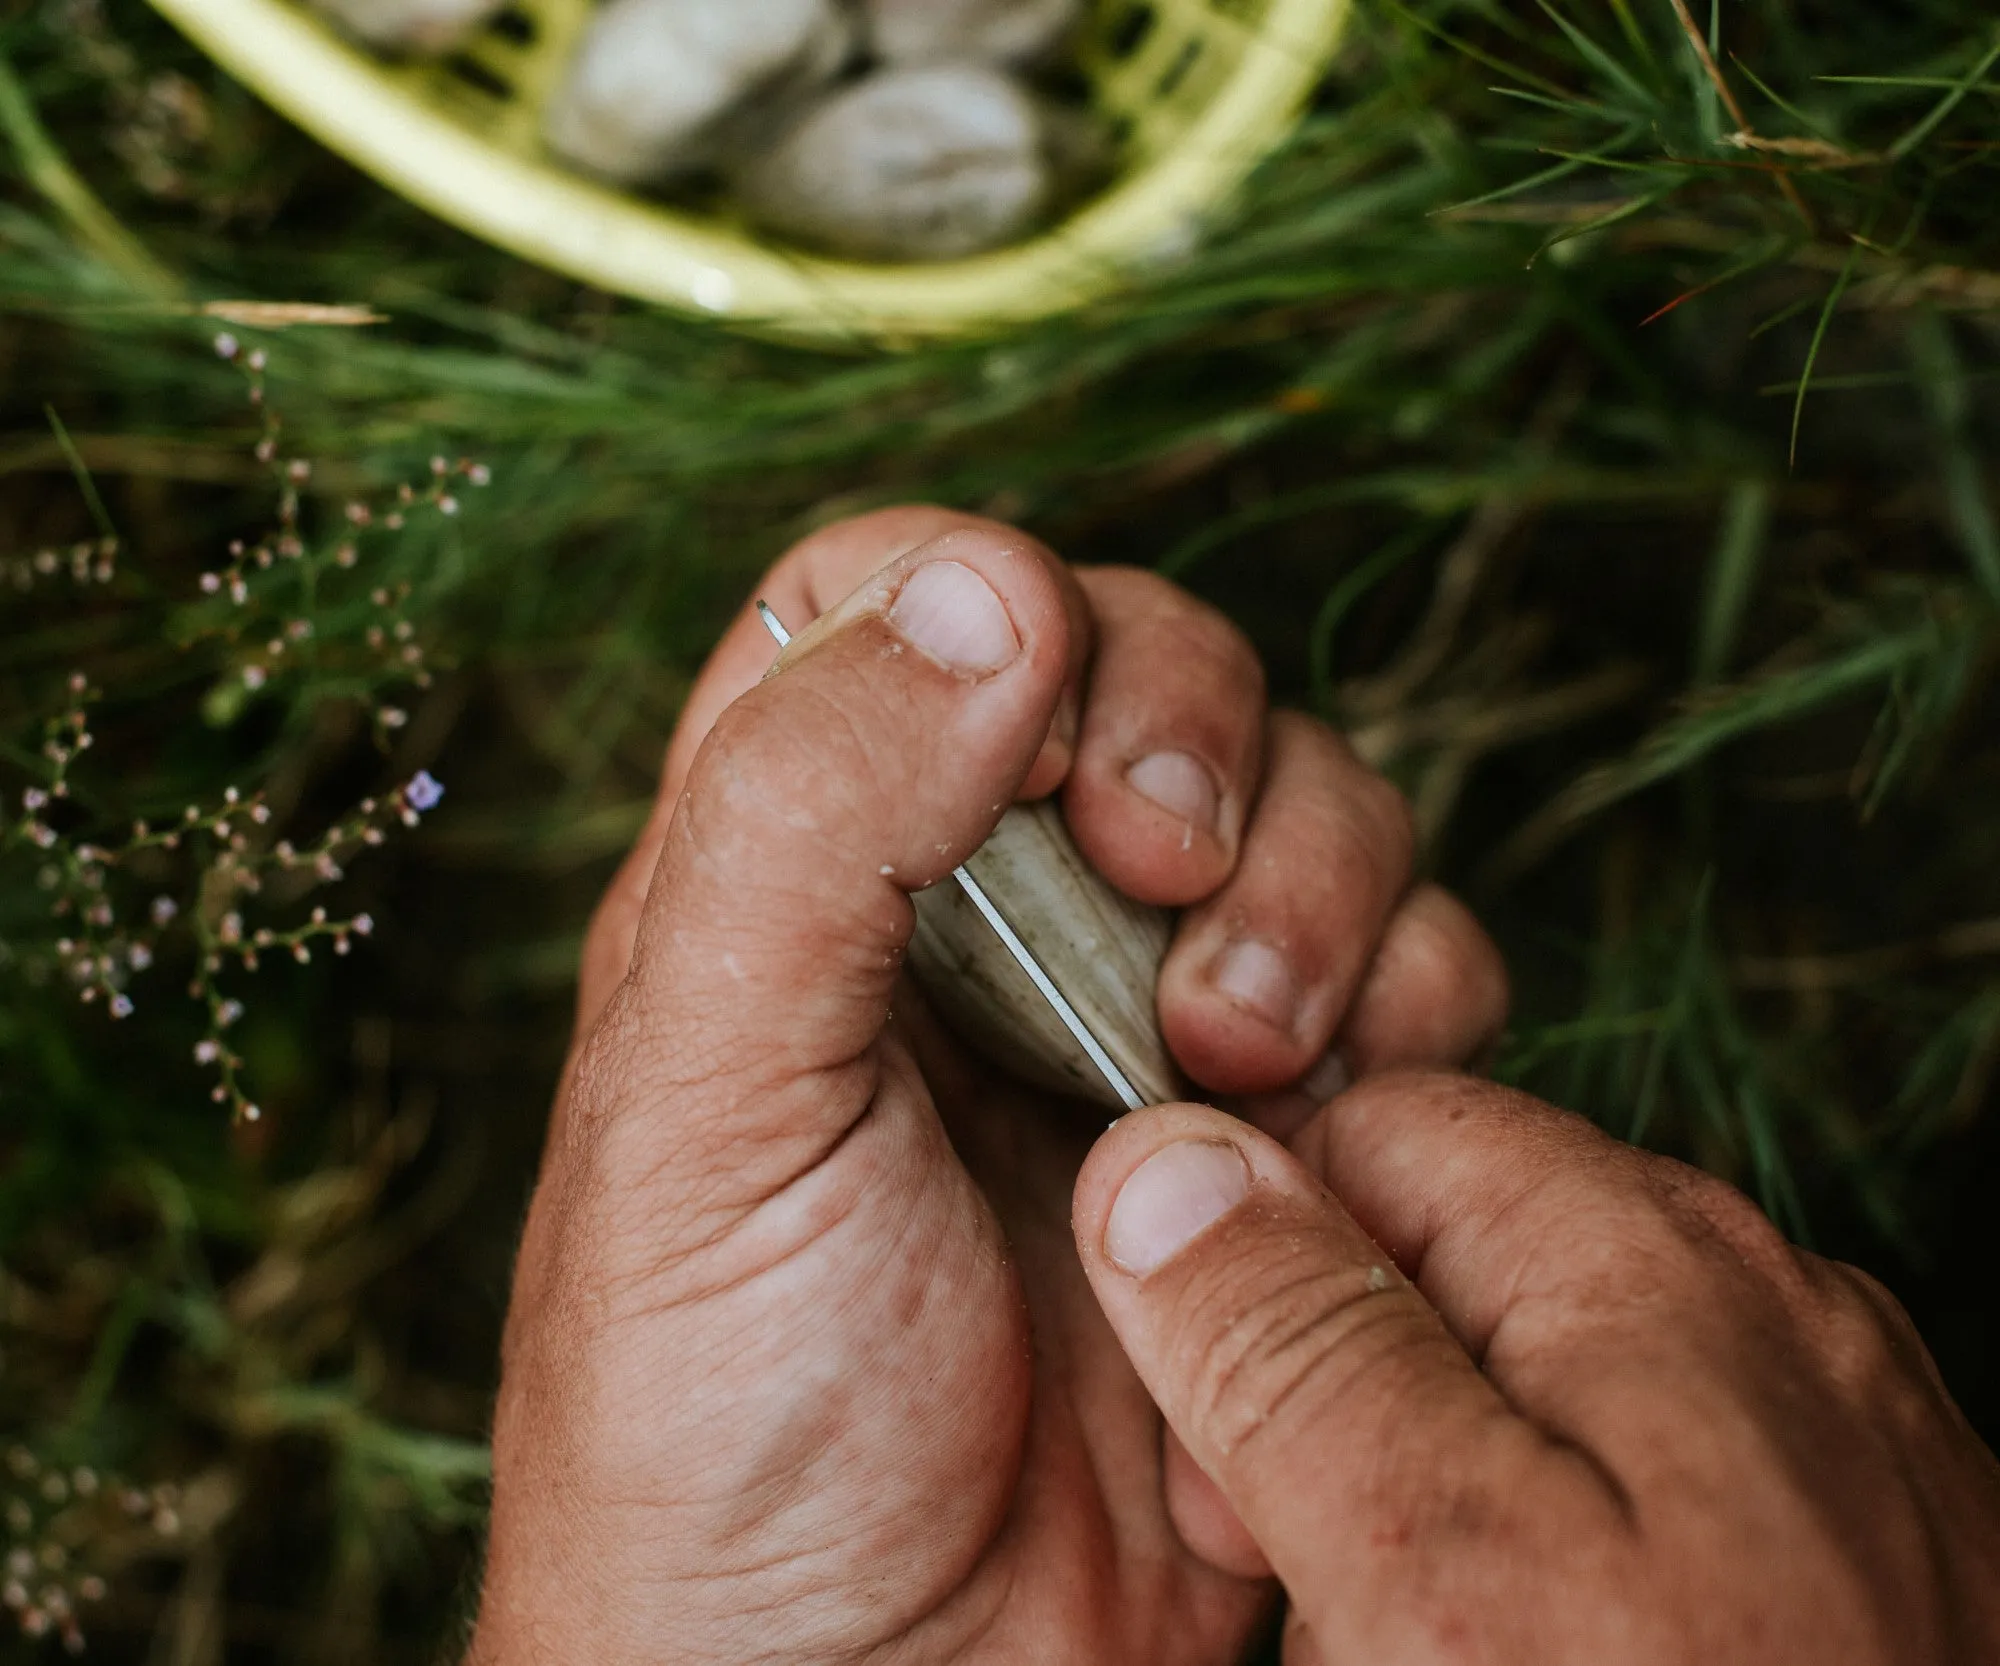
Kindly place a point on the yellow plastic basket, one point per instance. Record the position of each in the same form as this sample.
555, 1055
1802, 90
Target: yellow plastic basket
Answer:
1199, 90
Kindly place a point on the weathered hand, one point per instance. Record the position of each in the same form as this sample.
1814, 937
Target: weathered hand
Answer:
801, 1363
1527, 1397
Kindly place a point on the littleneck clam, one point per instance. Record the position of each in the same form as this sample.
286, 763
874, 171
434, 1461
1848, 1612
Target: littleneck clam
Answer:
659, 87
1102, 950
930, 163
993, 31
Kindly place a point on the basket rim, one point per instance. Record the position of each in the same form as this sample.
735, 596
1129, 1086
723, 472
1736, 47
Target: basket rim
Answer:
592, 232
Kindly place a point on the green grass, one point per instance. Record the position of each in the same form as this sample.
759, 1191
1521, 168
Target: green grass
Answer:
1621, 476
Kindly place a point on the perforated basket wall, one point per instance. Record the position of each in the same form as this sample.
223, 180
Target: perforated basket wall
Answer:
1198, 90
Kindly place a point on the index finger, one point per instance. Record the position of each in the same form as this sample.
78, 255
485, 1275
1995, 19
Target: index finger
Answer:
1581, 1272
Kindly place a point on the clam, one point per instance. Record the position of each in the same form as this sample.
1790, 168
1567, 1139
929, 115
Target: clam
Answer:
994, 31
1102, 949
661, 87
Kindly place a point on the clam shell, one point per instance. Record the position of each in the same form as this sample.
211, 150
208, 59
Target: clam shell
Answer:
926, 163
1102, 949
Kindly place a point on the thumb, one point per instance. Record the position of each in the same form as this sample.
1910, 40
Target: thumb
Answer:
739, 1047
1309, 1380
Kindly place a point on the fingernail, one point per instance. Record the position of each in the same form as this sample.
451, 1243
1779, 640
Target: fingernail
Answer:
1171, 1199
949, 613
1181, 785
1255, 975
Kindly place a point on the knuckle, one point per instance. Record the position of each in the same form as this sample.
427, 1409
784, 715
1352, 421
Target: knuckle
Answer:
1133, 592
1234, 655
1714, 1214
1307, 1333
1387, 821
1161, 617
758, 766
1866, 1337
1214, 649
1364, 805
1466, 1106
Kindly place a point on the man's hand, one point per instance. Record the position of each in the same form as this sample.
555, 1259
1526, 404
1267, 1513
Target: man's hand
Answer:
1525, 1395
801, 1364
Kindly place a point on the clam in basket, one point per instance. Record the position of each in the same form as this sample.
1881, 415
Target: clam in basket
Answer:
1195, 91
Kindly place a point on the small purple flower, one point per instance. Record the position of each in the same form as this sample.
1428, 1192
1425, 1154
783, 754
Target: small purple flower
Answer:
424, 791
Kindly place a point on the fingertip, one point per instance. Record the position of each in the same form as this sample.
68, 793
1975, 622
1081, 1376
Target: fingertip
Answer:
974, 599
813, 576
1436, 994
1231, 1012
1157, 1179
1417, 1153
1121, 1148
1166, 766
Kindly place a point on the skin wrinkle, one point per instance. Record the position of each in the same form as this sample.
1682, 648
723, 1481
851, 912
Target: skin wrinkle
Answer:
737, 1221
1317, 1339
895, 1254
669, 1221
1252, 1340
750, 768
1201, 659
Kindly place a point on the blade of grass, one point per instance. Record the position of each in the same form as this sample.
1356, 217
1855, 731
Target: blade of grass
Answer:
1625, 211
1950, 102
1922, 82
1680, 1007
1727, 94
1341, 600
1721, 717
1816, 128
1733, 570
1603, 62
1466, 49
1633, 33
46, 169
85, 484
1818, 339
1562, 106
1771, 250
1942, 379
1562, 170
